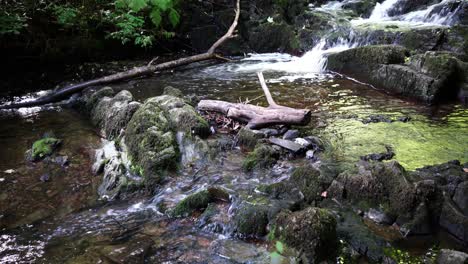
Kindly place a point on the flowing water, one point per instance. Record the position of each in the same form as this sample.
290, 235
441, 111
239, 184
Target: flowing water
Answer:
63, 220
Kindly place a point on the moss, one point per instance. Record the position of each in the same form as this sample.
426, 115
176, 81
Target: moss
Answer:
312, 230
251, 220
247, 138
191, 203
44, 147
263, 156
307, 180
199, 200
169, 90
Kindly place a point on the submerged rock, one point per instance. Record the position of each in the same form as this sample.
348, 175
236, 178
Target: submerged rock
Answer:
44, 147
311, 231
430, 77
263, 156
447, 256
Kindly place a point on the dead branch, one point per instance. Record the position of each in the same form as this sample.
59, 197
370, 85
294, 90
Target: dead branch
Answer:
257, 116
133, 73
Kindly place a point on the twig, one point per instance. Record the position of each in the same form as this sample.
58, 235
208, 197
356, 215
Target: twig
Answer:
153, 60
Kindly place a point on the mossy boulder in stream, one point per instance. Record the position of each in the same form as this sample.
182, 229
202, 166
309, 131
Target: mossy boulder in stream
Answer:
199, 200
251, 219
311, 231
44, 147
263, 156
429, 77
151, 142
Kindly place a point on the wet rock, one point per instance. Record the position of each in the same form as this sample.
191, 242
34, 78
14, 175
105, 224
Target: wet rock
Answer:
291, 134
351, 228
91, 99
380, 156
404, 119
362, 57
273, 37
133, 251
44, 177
447, 256
248, 138
62, 161
150, 141
263, 156
317, 143
310, 154
303, 142
461, 197
286, 144
379, 217
270, 132
251, 220
199, 200
361, 8
377, 119
239, 251
311, 231
44, 147
454, 221
169, 90
112, 114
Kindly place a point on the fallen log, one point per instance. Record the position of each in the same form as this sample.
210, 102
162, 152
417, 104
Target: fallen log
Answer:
257, 116
66, 92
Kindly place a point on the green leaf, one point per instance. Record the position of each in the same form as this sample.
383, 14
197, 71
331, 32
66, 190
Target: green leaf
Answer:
120, 4
137, 5
156, 17
279, 247
162, 4
174, 17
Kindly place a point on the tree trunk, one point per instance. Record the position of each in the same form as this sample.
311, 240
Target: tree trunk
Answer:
135, 72
257, 116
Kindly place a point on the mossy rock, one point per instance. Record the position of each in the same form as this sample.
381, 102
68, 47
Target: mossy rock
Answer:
92, 100
44, 147
311, 231
263, 156
307, 179
248, 138
199, 201
251, 220
150, 141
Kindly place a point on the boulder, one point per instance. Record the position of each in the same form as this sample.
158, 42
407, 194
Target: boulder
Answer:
447, 256
273, 37
454, 221
311, 231
461, 197
112, 114
263, 156
251, 220
44, 147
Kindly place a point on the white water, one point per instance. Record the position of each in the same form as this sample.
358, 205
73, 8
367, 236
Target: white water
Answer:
313, 63
381, 10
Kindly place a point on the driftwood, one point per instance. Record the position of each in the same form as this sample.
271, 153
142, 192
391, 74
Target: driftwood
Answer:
66, 92
257, 116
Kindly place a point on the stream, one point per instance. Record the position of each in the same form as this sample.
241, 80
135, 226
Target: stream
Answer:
62, 219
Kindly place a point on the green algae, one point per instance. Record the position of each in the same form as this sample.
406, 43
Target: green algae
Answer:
44, 147
417, 143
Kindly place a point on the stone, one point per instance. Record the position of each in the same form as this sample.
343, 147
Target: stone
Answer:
448, 256
44, 147
45, 177
461, 197
248, 138
311, 231
251, 220
310, 154
263, 156
286, 144
291, 134
454, 221
273, 37
379, 217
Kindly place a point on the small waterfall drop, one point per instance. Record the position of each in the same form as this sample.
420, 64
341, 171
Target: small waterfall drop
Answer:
439, 14
381, 10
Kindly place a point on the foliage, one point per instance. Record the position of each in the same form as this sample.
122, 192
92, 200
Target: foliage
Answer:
141, 20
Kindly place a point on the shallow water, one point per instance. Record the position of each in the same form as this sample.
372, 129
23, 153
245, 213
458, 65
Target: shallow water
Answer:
66, 230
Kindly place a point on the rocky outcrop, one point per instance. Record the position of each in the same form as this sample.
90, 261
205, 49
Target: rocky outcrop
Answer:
150, 138
447, 256
311, 231
430, 77
416, 201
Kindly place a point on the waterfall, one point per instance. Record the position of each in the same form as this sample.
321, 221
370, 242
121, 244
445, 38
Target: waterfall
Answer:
440, 14
381, 10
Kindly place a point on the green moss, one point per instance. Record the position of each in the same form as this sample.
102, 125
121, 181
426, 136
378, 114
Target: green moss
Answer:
251, 220
263, 156
247, 138
191, 203
44, 147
